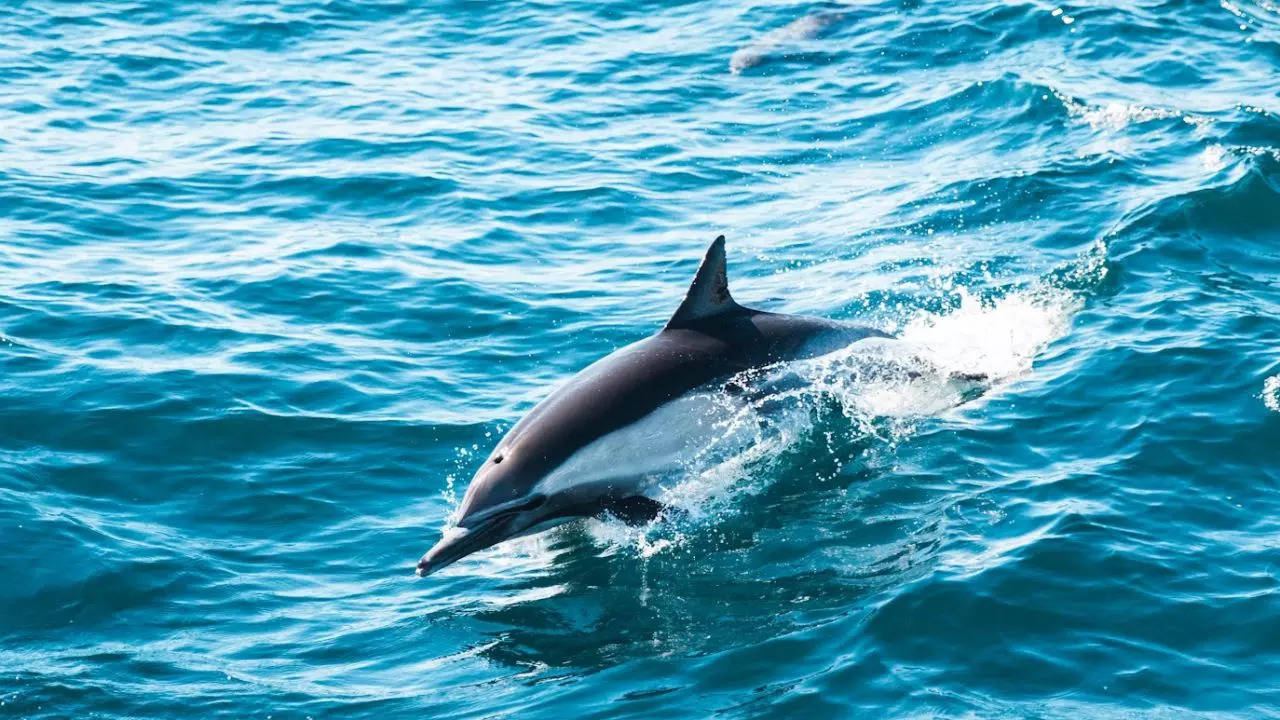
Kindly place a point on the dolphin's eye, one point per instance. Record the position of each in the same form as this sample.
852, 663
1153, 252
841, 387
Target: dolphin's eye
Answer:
497, 459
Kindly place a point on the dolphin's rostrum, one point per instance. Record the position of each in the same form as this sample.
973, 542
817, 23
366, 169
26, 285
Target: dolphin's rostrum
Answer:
592, 446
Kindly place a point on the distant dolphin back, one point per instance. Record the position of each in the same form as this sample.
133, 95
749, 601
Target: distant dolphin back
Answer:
777, 41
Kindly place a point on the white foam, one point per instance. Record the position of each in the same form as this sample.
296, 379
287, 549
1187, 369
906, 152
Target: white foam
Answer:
999, 338
1117, 115
1271, 393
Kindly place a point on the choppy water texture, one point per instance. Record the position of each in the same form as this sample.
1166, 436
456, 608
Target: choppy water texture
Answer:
275, 277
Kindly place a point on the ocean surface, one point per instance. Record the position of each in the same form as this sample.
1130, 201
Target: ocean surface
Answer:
275, 277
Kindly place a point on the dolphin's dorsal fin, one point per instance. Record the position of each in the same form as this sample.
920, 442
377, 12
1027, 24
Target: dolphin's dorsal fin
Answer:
709, 293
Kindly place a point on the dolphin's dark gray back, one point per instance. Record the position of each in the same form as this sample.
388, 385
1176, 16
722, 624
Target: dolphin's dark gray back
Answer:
709, 337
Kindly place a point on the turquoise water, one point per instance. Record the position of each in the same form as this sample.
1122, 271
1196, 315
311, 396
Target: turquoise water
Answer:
274, 278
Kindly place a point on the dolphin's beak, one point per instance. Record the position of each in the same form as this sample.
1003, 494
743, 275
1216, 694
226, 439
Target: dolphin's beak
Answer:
450, 547
477, 533
458, 542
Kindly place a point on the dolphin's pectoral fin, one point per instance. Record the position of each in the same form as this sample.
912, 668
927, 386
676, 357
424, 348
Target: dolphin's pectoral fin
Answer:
635, 509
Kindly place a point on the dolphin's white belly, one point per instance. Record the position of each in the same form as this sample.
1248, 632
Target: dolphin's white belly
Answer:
664, 442
635, 456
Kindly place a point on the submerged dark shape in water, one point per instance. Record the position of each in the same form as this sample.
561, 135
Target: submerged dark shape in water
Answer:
596, 443
771, 43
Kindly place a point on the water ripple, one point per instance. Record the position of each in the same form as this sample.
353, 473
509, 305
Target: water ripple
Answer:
275, 277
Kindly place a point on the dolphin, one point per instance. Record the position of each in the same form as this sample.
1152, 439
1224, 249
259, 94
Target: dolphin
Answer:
779, 39
594, 445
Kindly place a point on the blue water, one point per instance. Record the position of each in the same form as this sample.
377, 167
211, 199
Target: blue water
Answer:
275, 277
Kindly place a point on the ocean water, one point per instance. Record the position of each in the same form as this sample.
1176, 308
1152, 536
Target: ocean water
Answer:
274, 277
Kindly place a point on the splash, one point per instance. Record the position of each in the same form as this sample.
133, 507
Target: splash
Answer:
1271, 393
1119, 115
999, 339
